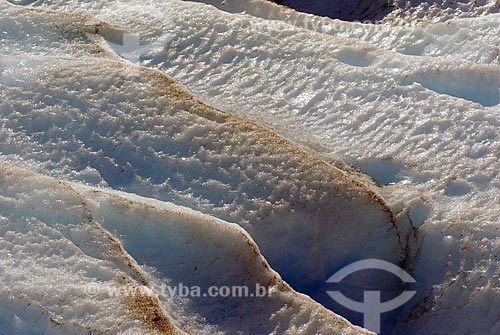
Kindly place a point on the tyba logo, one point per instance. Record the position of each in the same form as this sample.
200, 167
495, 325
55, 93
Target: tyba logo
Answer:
372, 307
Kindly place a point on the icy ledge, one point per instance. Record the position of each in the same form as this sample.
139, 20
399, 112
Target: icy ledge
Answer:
59, 260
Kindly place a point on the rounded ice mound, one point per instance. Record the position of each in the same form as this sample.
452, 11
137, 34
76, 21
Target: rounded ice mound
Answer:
60, 268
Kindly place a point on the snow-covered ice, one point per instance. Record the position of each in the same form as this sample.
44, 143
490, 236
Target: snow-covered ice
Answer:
59, 261
333, 141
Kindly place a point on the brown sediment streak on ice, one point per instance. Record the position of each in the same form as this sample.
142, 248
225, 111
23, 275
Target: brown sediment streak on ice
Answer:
147, 309
168, 87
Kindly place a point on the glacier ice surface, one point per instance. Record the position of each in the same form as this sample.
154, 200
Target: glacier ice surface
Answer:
415, 106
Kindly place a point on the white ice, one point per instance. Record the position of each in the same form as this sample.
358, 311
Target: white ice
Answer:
59, 263
415, 107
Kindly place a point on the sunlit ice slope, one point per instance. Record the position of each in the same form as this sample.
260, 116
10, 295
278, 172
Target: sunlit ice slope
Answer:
71, 108
476, 38
64, 272
415, 107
